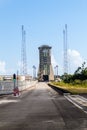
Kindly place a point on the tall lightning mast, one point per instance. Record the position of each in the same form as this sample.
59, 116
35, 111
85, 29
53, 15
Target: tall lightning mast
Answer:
23, 53
65, 50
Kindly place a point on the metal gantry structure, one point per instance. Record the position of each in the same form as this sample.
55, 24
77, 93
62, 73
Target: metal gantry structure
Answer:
23, 70
65, 50
23, 53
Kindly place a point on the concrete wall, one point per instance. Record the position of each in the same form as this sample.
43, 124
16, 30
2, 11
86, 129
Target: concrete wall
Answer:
6, 87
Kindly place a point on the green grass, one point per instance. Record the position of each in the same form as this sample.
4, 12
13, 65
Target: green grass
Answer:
74, 89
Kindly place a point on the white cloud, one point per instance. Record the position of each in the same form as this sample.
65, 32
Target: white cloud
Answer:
2, 67
75, 59
53, 61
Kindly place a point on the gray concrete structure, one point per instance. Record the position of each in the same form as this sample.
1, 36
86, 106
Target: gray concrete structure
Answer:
45, 67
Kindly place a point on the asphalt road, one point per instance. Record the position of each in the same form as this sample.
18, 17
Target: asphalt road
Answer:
40, 108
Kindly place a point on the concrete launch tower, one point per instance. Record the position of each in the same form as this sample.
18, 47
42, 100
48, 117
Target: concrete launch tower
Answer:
45, 67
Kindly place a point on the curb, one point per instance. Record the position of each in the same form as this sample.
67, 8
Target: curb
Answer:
60, 90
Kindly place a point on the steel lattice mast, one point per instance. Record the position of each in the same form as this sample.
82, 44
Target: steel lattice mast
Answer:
65, 50
23, 53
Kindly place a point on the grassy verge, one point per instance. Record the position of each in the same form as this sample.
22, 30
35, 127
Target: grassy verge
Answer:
74, 89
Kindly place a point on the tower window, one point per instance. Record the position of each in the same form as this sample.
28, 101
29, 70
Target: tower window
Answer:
45, 52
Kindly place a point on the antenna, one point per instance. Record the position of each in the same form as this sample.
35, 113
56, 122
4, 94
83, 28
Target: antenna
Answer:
65, 50
23, 53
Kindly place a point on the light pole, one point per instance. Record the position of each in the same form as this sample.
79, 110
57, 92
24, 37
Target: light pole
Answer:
17, 78
57, 70
54, 72
34, 72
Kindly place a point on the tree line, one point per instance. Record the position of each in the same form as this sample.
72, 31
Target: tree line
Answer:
79, 76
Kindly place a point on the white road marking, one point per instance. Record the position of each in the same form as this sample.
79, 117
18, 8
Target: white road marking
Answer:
4, 101
78, 101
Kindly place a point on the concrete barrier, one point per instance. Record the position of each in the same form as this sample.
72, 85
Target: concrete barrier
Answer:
7, 87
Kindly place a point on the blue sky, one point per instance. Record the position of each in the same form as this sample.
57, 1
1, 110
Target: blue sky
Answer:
44, 21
